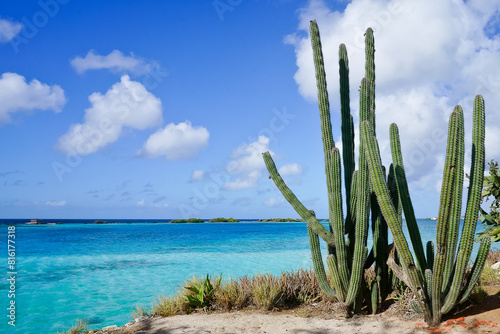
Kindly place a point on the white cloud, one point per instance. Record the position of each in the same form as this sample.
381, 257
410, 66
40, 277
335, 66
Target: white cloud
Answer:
198, 175
247, 164
274, 202
422, 70
290, 169
9, 30
159, 205
126, 104
18, 95
60, 203
492, 142
181, 141
115, 61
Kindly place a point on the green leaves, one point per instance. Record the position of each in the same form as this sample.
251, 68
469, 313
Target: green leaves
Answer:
202, 293
491, 220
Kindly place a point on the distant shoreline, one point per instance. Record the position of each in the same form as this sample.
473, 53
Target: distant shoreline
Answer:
44, 222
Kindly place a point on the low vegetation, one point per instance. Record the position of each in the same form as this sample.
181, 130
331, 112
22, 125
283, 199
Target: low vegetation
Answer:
79, 328
259, 292
223, 220
190, 220
281, 220
490, 276
491, 220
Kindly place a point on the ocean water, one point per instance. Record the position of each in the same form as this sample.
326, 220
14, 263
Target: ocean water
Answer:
101, 272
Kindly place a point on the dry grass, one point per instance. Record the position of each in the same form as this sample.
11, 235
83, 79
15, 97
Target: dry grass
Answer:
493, 256
230, 296
490, 276
262, 291
266, 291
80, 327
300, 286
139, 312
170, 306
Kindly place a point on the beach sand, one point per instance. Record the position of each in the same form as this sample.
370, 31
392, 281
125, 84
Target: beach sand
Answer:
481, 318
271, 323
276, 323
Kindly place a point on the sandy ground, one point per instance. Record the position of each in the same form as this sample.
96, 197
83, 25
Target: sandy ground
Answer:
482, 318
275, 323
255, 323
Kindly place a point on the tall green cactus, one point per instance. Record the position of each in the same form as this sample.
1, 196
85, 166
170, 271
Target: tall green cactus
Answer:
347, 238
443, 280
440, 279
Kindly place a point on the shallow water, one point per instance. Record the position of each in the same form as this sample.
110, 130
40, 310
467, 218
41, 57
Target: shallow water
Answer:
101, 272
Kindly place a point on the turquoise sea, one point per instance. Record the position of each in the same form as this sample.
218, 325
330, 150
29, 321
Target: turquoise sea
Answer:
101, 272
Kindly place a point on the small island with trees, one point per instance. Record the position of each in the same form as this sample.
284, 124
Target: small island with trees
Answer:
280, 220
223, 220
190, 220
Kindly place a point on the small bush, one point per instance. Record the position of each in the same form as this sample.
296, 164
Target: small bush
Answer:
170, 306
201, 292
263, 291
266, 291
478, 295
493, 256
79, 328
490, 276
230, 295
139, 312
300, 286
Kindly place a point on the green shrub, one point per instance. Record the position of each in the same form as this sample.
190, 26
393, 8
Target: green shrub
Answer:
266, 291
202, 292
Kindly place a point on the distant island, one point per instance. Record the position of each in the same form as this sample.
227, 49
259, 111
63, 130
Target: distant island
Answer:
190, 220
38, 221
280, 220
223, 220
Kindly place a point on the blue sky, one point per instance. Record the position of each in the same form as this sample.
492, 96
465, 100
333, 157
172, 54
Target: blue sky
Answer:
161, 109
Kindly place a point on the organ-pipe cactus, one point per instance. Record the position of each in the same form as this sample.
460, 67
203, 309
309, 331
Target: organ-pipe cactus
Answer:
443, 280
347, 238
440, 279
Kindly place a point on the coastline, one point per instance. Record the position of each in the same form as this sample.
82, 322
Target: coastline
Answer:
289, 321
242, 322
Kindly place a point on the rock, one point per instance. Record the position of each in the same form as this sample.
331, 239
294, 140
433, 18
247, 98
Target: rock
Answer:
128, 324
496, 266
141, 318
110, 328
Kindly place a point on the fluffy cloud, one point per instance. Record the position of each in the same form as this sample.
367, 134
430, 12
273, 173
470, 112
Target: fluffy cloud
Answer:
290, 169
126, 104
181, 141
274, 202
247, 164
18, 95
9, 30
198, 175
115, 61
422, 70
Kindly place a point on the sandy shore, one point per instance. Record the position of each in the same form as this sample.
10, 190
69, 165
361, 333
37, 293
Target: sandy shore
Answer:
277, 323
257, 323
481, 318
